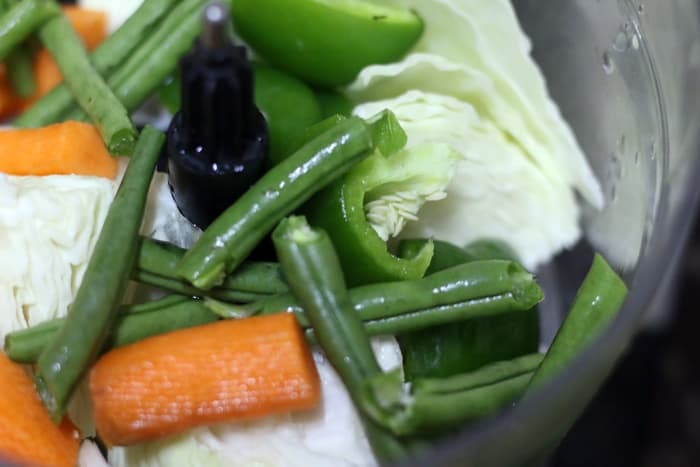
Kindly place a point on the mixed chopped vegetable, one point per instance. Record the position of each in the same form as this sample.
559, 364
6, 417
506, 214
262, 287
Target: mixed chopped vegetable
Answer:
396, 187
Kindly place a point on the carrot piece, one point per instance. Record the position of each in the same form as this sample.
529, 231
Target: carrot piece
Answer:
59, 149
27, 435
8, 99
46, 73
224, 371
91, 25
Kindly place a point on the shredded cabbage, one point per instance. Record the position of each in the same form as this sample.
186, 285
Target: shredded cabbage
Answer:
48, 228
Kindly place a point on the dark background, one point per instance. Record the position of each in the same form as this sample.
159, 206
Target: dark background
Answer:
648, 413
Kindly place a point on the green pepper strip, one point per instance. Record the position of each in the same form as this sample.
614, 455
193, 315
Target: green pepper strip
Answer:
95, 308
339, 209
311, 265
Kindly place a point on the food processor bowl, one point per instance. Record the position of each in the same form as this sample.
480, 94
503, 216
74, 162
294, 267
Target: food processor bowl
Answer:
623, 73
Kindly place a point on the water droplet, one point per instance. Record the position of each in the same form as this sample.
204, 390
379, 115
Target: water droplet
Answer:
621, 42
608, 64
635, 42
637, 157
613, 193
640, 9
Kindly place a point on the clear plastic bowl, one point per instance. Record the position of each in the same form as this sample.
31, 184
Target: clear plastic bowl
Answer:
624, 73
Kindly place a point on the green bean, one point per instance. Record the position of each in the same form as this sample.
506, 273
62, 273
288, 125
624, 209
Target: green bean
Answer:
181, 287
433, 406
430, 414
135, 322
309, 260
311, 265
597, 302
88, 87
52, 107
37, 337
21, 20
455, 312
156, 58
478, 280
486, 375
96, 304
231, 237
20, 71
161, 258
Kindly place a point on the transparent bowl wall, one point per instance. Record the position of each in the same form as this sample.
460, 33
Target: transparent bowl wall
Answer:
623, 73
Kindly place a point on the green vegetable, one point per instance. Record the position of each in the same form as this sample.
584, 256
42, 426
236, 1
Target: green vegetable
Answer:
179, 286
289, 107
486, 375
325, 43
161, 258
333, 103
431, 413
135, 322
309, 260
156, 57
21, 20
480, 285
52, 107
20, 71
453, 349
385, 309
94, 309
373, 201
597, 302
229, 240
88, 87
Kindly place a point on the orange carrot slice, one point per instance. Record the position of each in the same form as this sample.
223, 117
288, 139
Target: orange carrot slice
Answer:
27, 435
8, 99
91, 25
59, 149
224, 371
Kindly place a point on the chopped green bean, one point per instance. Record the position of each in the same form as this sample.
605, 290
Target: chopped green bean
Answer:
21, 20
181, 287
309, 261
486, 375
135, 322
96, 305
161, 259
156, 58
20, 71
52, 107
233, 235
598, 300
88, 87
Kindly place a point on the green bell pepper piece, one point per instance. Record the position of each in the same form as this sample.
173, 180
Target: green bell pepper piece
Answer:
326, 43
340, 208
463, 347
333, 103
